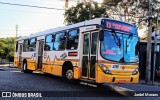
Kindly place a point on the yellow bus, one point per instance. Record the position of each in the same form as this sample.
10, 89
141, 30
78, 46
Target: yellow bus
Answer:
101, 50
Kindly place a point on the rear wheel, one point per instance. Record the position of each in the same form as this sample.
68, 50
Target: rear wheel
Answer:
24, 68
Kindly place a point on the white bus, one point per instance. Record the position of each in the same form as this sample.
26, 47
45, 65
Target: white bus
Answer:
101, 50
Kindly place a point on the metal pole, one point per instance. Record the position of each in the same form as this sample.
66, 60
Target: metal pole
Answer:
148, 59
155, 47
66, 4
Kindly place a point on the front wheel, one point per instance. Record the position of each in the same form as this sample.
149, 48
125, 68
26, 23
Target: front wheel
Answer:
69, 75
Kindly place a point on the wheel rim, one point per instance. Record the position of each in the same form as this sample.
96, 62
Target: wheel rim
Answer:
69, 74
24, 66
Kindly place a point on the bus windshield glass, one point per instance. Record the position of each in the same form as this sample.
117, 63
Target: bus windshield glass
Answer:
130, 46
122, 51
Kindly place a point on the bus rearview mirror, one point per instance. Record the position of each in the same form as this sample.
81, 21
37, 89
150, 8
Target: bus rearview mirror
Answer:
137, 49
101, 35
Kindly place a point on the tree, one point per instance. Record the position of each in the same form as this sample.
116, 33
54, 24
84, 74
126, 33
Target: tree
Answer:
7, 48
85, 11
132, 11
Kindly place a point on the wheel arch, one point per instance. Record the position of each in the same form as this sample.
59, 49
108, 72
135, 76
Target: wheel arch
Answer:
24, 61
65, 66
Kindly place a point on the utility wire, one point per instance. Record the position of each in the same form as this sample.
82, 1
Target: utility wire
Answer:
30, 6
30, 11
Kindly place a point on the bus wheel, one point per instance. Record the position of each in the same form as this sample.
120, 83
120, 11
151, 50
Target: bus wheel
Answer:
68, 74
24, 68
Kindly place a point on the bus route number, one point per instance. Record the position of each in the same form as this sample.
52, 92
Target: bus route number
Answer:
115, 66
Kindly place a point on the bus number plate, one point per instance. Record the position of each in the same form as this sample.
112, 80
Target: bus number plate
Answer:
115, 66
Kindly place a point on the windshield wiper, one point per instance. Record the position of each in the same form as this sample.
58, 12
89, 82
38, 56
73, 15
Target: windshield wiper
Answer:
116, 39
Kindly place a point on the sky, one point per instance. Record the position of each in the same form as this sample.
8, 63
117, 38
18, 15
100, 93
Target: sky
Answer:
30, 20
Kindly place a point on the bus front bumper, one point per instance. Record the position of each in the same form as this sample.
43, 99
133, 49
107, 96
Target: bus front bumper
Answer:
108, 78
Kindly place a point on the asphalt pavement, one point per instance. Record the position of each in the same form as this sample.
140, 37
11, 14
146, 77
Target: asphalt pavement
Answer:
53, 87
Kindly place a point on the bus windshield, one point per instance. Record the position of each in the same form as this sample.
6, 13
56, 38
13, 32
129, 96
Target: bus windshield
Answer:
130, 43
125, 52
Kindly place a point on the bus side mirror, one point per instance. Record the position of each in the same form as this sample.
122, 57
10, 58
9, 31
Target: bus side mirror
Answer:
137, 49
101, 35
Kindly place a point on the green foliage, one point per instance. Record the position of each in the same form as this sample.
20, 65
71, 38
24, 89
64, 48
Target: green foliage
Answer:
83, 11
132, 11
7, 47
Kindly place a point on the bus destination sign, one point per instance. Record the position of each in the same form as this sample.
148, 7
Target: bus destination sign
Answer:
119, 26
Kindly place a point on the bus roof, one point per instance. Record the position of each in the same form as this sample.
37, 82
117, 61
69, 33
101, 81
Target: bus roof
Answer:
80, 24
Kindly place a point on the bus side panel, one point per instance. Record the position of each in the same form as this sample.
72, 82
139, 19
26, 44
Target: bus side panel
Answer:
31, 64
29, 57
57, 70
16, 62
46, 66
77, 72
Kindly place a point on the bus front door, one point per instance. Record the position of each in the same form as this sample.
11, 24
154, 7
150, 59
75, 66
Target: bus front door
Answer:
89, 58
19, 55
39, 52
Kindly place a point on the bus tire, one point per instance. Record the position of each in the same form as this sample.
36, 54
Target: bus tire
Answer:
68, 74
24, 68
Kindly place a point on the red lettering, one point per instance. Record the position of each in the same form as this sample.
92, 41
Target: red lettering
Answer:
118, 26
125, 28
110, 52
108, 25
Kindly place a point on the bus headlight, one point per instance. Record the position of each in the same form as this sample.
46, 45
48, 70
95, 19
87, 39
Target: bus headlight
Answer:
105, 69
135, 72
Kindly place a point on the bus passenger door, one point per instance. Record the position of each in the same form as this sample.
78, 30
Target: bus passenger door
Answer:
93, 53
89, 55
39, 53
19, 55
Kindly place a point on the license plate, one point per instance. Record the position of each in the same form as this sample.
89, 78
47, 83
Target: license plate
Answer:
122, 81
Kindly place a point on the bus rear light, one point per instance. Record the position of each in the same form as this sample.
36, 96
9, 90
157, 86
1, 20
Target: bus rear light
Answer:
105, 69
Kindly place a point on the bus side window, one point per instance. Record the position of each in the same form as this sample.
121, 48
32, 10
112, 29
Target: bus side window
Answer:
25, 45
94, 43
72, 39
86, 44
60, 41
32, 44
49, 43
